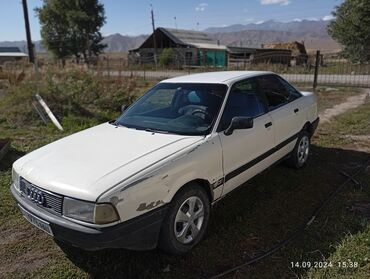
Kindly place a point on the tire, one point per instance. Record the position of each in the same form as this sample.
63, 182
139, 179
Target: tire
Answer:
299, 155
184, 227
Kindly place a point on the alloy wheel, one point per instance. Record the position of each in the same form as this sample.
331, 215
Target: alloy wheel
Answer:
189, 220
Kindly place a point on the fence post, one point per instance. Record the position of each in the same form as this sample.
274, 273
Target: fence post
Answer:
108, 66
317, 64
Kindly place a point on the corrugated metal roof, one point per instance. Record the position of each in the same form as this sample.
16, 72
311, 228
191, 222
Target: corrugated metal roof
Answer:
209, 46
9, 49
190, 37
12, 54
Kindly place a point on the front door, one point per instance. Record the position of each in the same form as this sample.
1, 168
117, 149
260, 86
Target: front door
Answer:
245, 151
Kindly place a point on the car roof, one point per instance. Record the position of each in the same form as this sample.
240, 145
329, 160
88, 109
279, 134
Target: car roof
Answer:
225, 77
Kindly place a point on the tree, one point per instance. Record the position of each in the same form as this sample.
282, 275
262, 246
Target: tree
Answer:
72, 27
167, 57
351, 28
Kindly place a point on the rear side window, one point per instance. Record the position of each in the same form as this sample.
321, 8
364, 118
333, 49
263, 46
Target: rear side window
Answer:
277, 91
243, 100
294, 94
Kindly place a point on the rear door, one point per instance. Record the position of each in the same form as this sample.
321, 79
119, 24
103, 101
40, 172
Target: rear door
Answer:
284, 106
244, 150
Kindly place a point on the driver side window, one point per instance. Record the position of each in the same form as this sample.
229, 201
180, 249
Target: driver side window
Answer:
243, 100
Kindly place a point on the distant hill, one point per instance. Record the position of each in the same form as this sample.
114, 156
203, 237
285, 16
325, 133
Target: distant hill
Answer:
303, 26
115, 43
254, 38
312, 32
120, 43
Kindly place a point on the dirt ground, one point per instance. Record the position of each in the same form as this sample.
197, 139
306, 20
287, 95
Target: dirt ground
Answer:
350, 103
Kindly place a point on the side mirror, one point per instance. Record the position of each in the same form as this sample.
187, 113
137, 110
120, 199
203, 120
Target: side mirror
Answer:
238, 123
124, 107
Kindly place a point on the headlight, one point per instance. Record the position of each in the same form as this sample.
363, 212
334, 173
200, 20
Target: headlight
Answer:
15, 178
103, 213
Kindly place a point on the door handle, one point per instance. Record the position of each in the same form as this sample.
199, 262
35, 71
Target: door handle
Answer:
268, 124
296, 110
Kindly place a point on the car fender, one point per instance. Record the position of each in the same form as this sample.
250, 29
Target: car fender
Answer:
158, 185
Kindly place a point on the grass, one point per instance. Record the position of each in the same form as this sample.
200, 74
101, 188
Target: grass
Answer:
249, 221
328, 97
349, 129
355, 123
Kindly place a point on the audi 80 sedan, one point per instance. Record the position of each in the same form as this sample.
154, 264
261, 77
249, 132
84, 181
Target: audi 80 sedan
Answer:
150, 177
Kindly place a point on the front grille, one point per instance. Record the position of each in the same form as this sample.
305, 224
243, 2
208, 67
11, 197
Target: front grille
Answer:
49, 201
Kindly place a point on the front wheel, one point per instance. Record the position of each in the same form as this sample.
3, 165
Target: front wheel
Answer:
186, 221
299, 155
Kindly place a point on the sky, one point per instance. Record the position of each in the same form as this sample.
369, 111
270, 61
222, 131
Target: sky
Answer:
133, 17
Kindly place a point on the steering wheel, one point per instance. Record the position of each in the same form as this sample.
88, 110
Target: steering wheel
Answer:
207, 115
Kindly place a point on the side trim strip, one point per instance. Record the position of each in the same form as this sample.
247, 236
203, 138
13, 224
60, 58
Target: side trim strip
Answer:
255, 161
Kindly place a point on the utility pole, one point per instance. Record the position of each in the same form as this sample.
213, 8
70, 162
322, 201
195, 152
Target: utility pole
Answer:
175, 22
154, 41
31, 54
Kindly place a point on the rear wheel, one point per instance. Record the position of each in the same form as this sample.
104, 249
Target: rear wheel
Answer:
299, 155
186, 221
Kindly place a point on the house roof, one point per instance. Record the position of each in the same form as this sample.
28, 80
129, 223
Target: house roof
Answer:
13, 54
189, 38
295, 47
11, 51
209, 46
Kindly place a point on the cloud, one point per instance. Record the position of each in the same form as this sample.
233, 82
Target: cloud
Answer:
328, 17
273, 2
201, 7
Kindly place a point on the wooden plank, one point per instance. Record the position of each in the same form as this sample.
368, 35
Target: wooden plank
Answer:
4, 147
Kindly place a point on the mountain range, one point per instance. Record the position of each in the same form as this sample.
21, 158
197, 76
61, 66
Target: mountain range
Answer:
312, 32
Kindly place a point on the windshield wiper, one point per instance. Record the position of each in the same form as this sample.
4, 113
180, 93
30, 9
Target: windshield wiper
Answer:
156, 131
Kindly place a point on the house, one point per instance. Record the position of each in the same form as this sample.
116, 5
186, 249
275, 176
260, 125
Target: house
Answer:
299, 53
11, 54
240, 56
189, 48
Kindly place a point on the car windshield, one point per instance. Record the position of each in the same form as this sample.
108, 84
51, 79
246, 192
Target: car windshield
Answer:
180, 108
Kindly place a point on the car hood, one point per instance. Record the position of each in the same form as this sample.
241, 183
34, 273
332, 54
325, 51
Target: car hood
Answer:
88, 163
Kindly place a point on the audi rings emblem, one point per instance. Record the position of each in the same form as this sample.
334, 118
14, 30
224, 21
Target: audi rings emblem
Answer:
35, 195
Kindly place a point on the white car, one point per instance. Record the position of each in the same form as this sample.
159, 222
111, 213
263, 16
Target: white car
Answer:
150, 177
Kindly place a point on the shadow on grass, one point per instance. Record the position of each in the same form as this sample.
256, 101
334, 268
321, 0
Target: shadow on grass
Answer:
266, 210
7, 162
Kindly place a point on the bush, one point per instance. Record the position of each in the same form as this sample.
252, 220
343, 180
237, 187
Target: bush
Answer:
74, 93
167, 57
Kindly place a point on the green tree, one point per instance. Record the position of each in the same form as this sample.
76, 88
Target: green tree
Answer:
167, 57
72, 27
351, 28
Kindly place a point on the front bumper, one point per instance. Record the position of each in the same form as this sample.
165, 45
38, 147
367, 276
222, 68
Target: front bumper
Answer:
140, 233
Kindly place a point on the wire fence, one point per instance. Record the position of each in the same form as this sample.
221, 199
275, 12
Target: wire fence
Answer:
316, 69
309, 70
